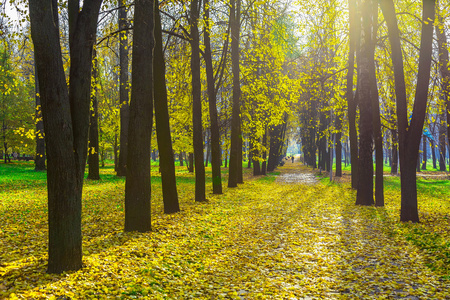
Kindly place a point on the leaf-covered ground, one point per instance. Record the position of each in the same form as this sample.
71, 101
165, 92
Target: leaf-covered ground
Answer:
265, 239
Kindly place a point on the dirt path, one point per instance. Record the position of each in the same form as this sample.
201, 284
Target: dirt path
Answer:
296, 173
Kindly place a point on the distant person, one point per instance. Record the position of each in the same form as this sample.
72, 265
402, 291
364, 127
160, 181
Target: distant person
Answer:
292, 157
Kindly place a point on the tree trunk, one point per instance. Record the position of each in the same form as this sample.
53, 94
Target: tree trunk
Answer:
394, 145
378, 137
116, 156
39, 159
235, 169
250, 155
338, 124
276, 143
444, 67
264, 154
5, 144
208, 148
350, 97
424, 153
191, 163
93, 159
364, 194
442, 137
180, 158
138, 182
409, 136
66, 121
212, 100
197, 104
123, 89
163, 134
433, 154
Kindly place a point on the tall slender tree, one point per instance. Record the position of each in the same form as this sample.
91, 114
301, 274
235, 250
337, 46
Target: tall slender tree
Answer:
235, 169
197, 103
364, 194
444, 66
376, 121
138, 185
215, 134
166, 157
39, 158
350, 96
123, 89
93, 157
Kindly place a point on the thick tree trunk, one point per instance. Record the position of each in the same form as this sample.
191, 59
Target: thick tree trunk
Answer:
409, 136
66, 121
138, 184
215, 134
235, 169
39, 159
163, 134
93, 159
123, 90
197, 104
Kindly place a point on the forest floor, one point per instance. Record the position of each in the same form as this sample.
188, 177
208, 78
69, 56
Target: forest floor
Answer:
288, 235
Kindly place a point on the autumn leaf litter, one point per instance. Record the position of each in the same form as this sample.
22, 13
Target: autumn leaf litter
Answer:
258, 241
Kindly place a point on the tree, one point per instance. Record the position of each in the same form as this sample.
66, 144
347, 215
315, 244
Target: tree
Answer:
138, 185
166, 160
444, 69
197, 103
39, 158
123, 89
376, 122
235, 169
350, 96
66, 120
212, 100
410, 134
93, 158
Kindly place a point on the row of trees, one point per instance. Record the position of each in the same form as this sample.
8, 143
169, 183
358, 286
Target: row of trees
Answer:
389, 80
81, 54
241, 77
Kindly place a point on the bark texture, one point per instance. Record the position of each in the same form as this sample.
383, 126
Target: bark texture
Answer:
235, 168
197, 104
66, 121
138, 185
163, 134
410, 135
